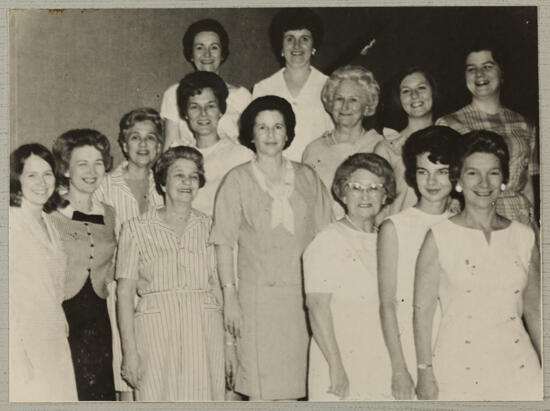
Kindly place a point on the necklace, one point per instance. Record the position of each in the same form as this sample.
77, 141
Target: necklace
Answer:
374, 228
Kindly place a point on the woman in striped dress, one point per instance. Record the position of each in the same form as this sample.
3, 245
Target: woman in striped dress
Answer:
172, 342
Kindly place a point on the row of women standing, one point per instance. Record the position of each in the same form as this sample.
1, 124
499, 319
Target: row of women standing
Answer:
179, 281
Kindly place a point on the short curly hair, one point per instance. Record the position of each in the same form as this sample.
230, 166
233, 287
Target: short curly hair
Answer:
295, 18
367, 161
480, 141
265, 103
364, 80
439, 142
65, 144
138, 115
193, 84
200, 26
169, 157
17, 164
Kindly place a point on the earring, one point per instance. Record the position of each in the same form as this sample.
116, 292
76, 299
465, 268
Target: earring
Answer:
502, 187
458, 188
313, 52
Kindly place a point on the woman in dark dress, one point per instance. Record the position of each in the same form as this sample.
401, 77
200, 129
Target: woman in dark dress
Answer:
87, 229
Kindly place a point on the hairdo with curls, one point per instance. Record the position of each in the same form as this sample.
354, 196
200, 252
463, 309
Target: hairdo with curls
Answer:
439, 142
17, 164
392, 112
193, 84
64, 145
265, 103
201, 26
367, 161
294, 19
363, 78
480, 141
139, 115
169, 157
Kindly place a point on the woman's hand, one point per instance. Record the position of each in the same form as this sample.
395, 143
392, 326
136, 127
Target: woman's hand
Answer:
402, 385
232, 313
131, 369
426, 388
231, 364
339, 383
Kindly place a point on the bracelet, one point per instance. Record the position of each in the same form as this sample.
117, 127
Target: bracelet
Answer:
228, 285
423, 366
231, 343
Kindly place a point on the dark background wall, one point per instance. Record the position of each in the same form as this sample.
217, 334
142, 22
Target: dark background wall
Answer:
76, 69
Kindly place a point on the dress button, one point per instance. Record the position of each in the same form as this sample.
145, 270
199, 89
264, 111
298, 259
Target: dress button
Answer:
516, 341
512, 318
469, 317
91, 257
91, 245
468, 342
89, 233
516, 292
522, 366
468, 291
468, 368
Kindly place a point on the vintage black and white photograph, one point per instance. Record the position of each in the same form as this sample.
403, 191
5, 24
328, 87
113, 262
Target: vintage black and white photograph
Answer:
275, 204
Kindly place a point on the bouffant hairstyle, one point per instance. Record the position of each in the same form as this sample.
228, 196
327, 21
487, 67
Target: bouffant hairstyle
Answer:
198, 27
17, 164
364, 80
193, 84
439, 142
483, 43
64, 145
138, 115
366, 161
169, 157
480, 141
265, 103
295, 18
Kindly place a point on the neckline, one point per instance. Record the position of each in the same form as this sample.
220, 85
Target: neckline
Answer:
358, 233
295, 98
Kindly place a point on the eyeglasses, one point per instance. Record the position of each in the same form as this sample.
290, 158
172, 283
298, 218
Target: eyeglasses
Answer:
373, 188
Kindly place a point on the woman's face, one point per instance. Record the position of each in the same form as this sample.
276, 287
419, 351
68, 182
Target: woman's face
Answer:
480, 178
432, 179
182, 181
415, 94
269, 133
297, 47
37, 181
142, 144
86, 169
349, 105
203, 113
207, 51
364, 195
483, 74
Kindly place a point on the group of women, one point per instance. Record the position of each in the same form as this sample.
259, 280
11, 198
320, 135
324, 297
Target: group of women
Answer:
122, 286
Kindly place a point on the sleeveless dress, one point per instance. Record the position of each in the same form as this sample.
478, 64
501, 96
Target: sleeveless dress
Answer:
483, 351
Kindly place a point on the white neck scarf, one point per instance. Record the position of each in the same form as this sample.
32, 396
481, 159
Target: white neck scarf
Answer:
281, 211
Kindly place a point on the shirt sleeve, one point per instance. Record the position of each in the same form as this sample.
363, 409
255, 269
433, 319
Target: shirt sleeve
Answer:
321, 264
227, 211
128, 256
258, 90
323, 207
169, 105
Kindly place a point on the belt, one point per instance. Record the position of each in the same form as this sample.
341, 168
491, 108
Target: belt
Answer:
177, 291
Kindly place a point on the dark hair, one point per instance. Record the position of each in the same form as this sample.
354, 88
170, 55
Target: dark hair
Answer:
139, 115
483, 43
392, 112
439, 142
367, 161
294, 19
64, 145
169, 157
480, 141
17, 164
265, 103
198, 27
193, 84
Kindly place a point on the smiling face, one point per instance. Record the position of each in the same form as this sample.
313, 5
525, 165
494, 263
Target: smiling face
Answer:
86, 169
203, 113
182, 181
364, 195
297, 47
480, 178
269, 133
432, 179
207, 51
483, 74
349, 104
142, 144
415, 94
37, 181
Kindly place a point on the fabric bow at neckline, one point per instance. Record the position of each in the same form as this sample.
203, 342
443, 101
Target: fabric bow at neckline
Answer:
90, 218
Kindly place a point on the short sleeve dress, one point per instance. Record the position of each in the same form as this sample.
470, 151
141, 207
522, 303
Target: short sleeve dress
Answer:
520, 137
178, 320
342, 262
274, 339
483, 351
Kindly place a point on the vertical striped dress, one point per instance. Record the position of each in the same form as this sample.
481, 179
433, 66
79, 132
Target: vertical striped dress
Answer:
178, 321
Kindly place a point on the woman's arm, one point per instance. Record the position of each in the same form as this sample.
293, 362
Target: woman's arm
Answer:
232, 312
426, 290
131, 367
388, 254
532, 301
